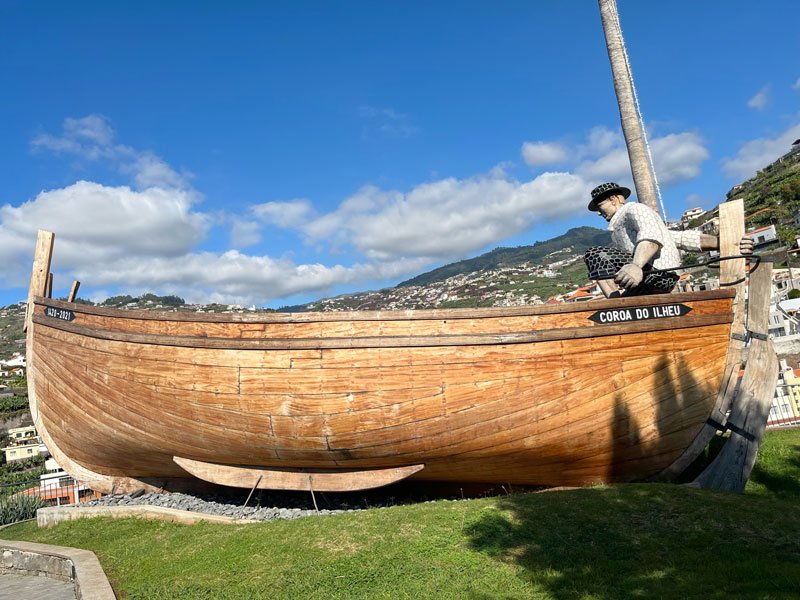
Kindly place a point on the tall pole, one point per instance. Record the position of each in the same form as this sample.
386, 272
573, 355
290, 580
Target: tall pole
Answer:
632, 128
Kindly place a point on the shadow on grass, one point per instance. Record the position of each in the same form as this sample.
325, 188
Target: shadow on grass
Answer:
780, 476
643, 541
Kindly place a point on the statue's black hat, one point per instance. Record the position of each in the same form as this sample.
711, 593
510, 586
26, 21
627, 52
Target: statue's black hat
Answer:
604, 191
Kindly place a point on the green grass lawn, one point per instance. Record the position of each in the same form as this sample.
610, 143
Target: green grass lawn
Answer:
626, 541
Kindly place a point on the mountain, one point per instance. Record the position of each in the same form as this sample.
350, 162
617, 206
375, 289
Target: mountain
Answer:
12, 338
501, 277
773, 196
579, 239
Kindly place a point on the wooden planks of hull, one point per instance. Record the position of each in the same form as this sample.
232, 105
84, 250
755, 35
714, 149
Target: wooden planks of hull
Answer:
583, 404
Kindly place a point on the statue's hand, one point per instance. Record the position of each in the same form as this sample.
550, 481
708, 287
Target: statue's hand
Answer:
746, 245
629, 276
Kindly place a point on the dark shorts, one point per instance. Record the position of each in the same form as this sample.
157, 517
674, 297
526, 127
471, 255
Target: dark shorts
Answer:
603, 263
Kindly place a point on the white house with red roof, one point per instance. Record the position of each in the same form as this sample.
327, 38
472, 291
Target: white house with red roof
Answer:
763, 235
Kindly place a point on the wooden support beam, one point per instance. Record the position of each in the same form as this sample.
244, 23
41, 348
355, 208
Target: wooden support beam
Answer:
48, 290
731, 273
73, 292
731, 469
40, 270
731, 230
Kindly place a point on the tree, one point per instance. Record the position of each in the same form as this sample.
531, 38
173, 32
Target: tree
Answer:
793, 293
19, 382
118, 300
787, 235
690, 259
632, 126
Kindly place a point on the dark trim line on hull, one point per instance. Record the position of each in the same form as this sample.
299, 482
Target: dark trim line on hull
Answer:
487, 339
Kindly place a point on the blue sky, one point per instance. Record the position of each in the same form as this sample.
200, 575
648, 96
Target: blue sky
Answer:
271, 153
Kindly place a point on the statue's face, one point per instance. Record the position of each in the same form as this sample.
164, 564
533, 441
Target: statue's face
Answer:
609, 206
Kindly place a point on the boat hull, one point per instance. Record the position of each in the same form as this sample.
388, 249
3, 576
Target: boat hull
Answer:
566, 395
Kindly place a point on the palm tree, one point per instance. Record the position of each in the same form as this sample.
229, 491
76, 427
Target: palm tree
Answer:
632, 126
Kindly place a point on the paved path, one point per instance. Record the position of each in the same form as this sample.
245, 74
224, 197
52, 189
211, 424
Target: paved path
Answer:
32, 587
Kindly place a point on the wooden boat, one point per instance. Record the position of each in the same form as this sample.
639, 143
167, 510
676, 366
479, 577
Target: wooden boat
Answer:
573, 394
615, 390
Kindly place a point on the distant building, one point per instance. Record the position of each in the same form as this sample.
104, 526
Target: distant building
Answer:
785, 408
583, 293
782, 282
16, 360
711, 226
25, 443
58, 487
22, 434
690, 214
763, 235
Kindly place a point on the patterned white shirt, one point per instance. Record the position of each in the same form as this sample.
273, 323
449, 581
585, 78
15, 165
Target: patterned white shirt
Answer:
634, 222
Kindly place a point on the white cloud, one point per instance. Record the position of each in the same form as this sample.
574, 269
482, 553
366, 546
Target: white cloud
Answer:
612, 166
150, 238
98, 221
233, 277
121, 239
244, 233
446, 218
677, 157
500, 170
537, 154
451, 217
95, 128
91, 139
150, 171
600, 141
760, 100
758, 153
796, 85
287, 214
388, 122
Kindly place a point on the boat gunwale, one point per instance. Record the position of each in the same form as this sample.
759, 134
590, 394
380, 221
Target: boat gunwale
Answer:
472, 339
390, 315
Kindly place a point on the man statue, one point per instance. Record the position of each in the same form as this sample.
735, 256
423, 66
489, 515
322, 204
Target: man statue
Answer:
641, 242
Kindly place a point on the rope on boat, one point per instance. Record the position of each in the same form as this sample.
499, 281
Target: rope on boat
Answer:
754, 258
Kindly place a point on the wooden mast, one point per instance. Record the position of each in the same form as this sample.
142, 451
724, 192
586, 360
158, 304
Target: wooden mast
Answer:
632, 127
